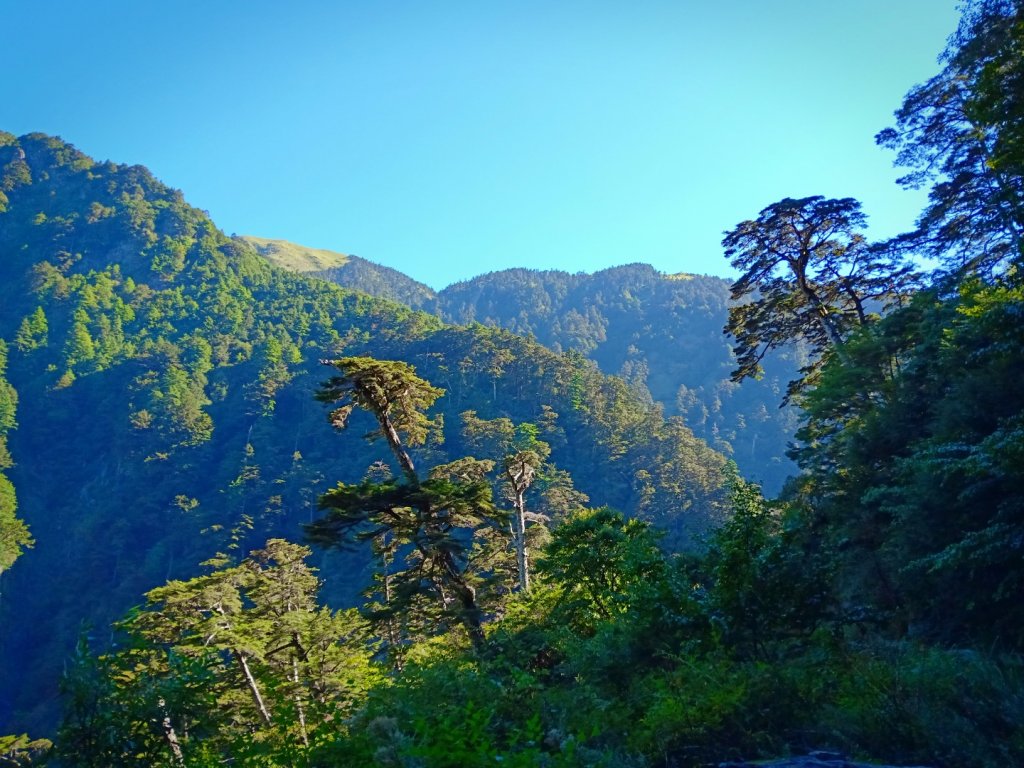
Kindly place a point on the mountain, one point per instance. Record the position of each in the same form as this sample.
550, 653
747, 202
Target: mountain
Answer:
661, 333
350, 271
164, 377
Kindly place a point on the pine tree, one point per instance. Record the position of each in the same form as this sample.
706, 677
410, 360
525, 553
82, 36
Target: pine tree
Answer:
432, 521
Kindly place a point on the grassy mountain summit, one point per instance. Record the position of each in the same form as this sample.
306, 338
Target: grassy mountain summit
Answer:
349, 271
164, 377
297, 258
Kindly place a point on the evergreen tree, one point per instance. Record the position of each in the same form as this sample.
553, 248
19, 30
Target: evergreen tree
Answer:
807, 273
961, 132
14, 534
434, 519
522, 458
33, 332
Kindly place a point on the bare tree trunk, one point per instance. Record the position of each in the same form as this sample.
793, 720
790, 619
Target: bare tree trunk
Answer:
520, 475
522, 557
250, 680
395, 442
298, 703
169, 735
254, 688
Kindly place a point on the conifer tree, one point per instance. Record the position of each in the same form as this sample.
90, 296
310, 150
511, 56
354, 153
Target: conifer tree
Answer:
961, 132
431, 521
808, 273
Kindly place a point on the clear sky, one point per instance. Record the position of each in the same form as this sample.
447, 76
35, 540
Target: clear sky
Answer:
448, 139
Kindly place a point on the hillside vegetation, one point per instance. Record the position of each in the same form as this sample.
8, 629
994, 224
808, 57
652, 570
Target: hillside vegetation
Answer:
660, 333
162, 376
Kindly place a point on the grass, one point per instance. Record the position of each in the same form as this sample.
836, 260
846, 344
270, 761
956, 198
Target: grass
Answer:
297, 258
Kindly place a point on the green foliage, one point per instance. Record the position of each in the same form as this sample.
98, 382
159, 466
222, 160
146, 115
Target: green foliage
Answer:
433, 520
14, 534
20, 751
847, 614
661, 333
654, 681
764, 584
389, 390
237, 664
960, 132
187, 372
910, 449
33, 332
807, 273
521, 456
8, 396
602, 559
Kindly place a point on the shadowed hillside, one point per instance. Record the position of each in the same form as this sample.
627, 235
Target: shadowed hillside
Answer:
164, 376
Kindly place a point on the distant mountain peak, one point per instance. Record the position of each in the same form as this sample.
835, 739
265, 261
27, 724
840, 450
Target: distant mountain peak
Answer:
347, 270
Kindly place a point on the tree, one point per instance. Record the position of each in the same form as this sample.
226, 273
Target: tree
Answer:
17, 751
79, 347
240, 663
207, 614
911, 452
14, 534
434, 520
601, 559
807, 274
522, 458
33, 331
961, 132
389, 391
765, 586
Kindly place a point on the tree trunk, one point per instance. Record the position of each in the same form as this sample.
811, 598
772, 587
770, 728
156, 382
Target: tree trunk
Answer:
470, 614
395, 442
178, 758
254, 689
522, 557
520, 475
822, 310
298, 703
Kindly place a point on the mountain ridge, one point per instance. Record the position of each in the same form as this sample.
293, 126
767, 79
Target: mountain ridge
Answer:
660, 332
164, 376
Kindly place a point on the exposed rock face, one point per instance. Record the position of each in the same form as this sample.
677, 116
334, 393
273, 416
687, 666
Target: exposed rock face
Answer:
813, 760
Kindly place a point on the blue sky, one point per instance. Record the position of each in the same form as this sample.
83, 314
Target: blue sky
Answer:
448, 139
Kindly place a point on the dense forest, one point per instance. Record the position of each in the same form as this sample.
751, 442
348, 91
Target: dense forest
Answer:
166, 376
660, 333
250, 517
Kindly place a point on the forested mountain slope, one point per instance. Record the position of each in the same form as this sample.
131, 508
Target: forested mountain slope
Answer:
164, 376
161, 402
661, 333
